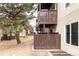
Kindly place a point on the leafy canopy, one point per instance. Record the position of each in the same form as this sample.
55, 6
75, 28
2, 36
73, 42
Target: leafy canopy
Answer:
14, 17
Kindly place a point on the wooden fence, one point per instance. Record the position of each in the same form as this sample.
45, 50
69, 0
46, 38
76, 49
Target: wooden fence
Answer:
47, 41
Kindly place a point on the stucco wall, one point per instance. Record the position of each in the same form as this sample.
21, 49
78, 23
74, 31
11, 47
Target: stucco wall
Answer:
67, 16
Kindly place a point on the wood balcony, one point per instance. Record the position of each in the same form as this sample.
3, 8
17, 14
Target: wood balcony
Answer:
47, 17
47, 41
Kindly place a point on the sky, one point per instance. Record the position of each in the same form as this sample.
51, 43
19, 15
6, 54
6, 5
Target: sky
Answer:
33, 21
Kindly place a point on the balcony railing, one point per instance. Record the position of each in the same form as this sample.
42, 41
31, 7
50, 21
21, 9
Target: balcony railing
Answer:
47, 41
47, 17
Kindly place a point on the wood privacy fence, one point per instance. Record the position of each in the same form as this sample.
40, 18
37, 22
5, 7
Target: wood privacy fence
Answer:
47, 41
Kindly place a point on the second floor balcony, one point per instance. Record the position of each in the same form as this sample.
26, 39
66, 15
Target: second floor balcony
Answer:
47, 16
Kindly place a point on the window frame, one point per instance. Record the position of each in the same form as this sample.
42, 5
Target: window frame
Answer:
70, 36
68, 32
74, 32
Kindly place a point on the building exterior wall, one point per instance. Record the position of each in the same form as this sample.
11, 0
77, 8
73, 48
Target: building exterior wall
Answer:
67, 16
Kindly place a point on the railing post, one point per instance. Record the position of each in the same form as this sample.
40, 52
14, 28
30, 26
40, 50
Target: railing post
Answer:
43, 27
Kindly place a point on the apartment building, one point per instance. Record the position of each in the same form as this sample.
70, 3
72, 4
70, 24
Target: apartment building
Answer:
63, 19
68, 27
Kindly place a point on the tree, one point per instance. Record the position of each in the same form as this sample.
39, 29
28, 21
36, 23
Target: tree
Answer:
14, 18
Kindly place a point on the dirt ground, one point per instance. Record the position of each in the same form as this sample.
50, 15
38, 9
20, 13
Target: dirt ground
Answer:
10, 48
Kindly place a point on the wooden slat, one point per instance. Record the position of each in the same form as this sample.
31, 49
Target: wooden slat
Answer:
47, 17
47, 41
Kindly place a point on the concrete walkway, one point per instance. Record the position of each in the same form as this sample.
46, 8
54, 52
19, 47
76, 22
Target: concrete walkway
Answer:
10, 48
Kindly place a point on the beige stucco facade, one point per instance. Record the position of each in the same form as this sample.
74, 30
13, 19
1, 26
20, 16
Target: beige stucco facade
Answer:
67, 16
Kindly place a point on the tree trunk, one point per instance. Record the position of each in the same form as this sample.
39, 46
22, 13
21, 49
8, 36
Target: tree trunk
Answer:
18, 39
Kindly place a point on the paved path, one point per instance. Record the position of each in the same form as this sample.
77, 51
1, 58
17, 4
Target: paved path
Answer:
10, 48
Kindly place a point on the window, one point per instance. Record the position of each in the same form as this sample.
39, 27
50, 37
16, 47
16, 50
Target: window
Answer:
67, 4
72, 34
67, 33
45, 5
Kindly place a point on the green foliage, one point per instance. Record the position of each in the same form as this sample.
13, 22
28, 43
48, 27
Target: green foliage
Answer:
14, 17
